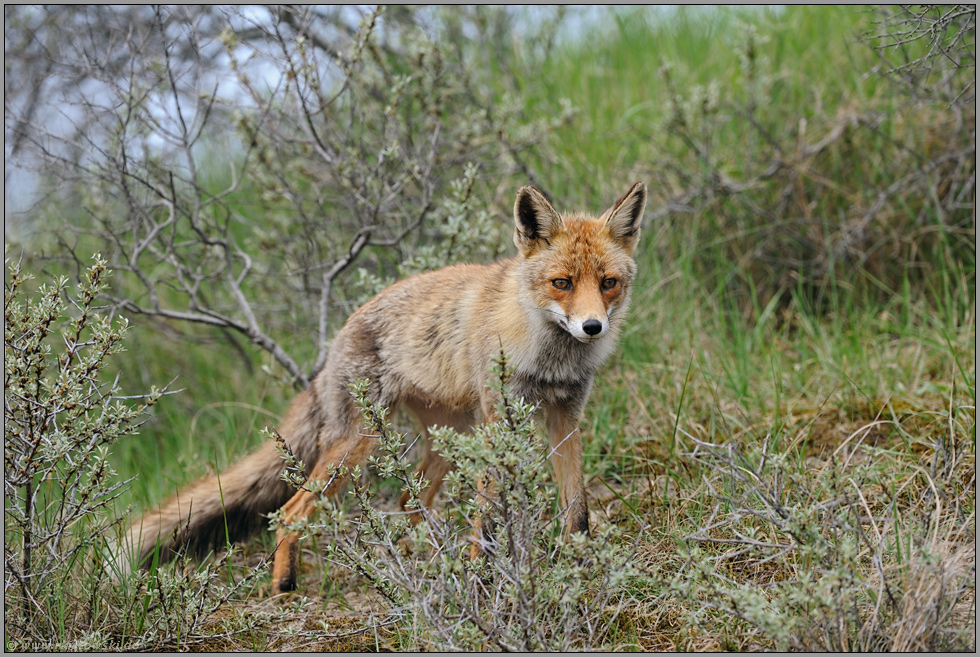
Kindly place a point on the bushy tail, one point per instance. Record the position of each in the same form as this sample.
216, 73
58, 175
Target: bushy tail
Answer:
221, 508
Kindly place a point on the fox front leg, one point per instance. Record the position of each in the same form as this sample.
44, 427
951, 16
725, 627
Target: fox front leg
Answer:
566, 457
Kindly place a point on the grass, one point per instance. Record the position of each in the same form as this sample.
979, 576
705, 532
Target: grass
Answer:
847, 398
614, 79
216, 419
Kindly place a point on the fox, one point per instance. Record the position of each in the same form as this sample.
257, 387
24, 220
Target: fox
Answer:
427, 344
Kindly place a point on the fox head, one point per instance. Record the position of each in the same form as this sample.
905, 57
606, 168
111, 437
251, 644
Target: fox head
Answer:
577, 269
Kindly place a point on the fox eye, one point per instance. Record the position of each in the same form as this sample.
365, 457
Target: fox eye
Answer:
609, 283
562, 283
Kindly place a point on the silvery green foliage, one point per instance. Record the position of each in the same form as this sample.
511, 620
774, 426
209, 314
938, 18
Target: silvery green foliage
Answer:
531, 589
60, 418
169, 607
868, 577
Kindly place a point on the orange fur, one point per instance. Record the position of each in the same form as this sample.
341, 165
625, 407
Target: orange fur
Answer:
428, 343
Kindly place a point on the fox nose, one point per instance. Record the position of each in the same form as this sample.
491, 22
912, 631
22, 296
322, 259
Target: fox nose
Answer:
592, 326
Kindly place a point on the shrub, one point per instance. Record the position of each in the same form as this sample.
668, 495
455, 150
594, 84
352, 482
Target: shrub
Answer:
531, 589
60, 418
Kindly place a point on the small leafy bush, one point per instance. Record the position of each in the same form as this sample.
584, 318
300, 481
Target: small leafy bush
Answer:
60, 419
530, 590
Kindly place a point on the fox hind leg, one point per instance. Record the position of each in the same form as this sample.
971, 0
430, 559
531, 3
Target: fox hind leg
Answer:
351, 448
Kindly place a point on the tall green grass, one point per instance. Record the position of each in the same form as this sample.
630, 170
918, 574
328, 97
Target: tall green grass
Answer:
612, 76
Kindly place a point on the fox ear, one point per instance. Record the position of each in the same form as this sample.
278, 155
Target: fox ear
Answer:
624, 217
536, 220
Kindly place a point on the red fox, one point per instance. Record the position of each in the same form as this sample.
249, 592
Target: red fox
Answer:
427, 343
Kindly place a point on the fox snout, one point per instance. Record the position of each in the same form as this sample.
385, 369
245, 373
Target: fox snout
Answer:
584, 327
588, 330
